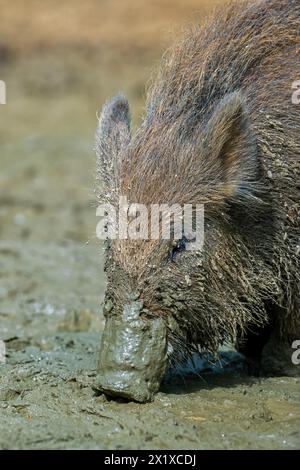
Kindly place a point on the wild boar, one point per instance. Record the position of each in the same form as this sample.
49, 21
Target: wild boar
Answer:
220, 130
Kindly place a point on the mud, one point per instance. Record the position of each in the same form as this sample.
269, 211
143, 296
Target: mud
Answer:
133, 355
47, 396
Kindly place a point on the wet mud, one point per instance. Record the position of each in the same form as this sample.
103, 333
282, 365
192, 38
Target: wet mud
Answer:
47, 385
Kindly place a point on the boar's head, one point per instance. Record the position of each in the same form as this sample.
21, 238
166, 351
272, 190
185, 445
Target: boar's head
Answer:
163, 299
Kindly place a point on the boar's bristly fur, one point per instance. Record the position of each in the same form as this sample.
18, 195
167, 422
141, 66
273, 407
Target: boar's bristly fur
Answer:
221, 130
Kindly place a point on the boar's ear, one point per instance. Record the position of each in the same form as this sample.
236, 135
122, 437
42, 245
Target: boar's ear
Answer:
111, 140
231, 147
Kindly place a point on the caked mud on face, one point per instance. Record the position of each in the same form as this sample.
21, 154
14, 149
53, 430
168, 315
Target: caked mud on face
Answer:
133, 356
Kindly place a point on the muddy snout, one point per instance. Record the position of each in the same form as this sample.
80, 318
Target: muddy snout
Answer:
133, 355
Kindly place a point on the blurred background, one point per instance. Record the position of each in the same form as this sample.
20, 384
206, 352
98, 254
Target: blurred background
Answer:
60, 61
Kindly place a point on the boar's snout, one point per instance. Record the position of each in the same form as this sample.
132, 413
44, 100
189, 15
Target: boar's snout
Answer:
133, 355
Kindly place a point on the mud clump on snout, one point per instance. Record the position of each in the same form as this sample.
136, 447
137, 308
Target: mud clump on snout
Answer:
133, 355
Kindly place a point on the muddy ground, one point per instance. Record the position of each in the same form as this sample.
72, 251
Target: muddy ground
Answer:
51, 266
50, 323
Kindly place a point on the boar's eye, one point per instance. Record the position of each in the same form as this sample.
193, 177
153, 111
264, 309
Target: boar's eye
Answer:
178, 248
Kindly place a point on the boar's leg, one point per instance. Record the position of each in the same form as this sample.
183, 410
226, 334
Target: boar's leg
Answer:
251, 345
281, 354
277, 357
269, 349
